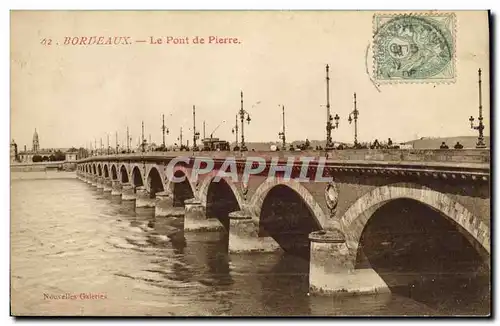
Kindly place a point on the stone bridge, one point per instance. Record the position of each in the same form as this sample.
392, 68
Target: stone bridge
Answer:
322, 219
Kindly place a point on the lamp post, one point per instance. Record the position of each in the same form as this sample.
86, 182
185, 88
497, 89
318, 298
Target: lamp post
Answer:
142, 138
282, 134
180, 139
196, 135
128, 141
329, 118
164, 129
480, 126
235, 132
242, 113
354, 116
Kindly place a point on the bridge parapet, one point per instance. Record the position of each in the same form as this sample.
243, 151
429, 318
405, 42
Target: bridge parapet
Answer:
479, 156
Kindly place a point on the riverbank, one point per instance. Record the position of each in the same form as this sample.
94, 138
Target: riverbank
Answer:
42, 166
35, 175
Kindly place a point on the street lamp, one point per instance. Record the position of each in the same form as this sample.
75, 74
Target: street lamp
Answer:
196, 135
164, 129
480, 126
281, 134
242, 113
143, 141
329, 118
235, 131
354, 116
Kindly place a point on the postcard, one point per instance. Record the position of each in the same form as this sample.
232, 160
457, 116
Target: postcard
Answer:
250, 163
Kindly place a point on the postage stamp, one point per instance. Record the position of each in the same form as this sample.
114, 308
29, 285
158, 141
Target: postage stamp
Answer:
414, 47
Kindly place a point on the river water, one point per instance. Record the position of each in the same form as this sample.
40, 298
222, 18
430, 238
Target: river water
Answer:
74, 252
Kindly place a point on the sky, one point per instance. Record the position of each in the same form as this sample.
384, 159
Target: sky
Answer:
77, 94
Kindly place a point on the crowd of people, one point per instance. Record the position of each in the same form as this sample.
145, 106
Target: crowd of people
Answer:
376, 144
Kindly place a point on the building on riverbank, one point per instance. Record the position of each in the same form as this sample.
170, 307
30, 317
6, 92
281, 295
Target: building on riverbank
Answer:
37, 154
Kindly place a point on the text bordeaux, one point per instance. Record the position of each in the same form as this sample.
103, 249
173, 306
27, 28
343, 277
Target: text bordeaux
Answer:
97, 40
127, 40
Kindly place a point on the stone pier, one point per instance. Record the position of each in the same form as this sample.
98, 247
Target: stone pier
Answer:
128, 193
116, 188
332, 268
93, 181
106, 187
195, 218
165, 204
143, 199
244, 235
100, 184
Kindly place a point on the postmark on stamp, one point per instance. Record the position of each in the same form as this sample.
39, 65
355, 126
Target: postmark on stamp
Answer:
414, 47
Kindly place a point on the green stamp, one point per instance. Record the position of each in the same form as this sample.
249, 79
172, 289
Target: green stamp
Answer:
414, 47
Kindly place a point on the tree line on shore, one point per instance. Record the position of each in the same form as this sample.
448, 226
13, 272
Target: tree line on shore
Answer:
54, 157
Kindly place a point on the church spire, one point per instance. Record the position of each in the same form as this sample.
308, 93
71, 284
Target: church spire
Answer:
36, 142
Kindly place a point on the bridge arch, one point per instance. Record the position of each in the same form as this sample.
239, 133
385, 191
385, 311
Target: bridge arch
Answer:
137, 177
258, 198
114, 175
288, 213
181, 190
124, 174
220, 197
356, 217
154, 182
99, 170
106, 171
94, 170
209, 179
86, 168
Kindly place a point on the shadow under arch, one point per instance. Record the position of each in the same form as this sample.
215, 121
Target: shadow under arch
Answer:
123, 174
137, 177
106, 171
209, 179
99, 170
220, 200
288, 219
94, 171
181, 190
257, 200
155, 183
114, 175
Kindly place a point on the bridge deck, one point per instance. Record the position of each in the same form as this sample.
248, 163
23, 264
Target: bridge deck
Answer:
397, 159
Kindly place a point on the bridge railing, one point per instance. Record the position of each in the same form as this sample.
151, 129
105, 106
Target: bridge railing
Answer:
480, 156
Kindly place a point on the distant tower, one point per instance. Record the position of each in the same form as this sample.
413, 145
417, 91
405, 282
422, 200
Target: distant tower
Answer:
13, 151
36, 142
